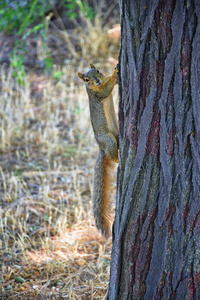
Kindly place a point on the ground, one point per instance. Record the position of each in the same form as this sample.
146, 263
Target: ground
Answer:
49, 246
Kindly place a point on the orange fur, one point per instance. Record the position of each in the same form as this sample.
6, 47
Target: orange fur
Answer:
101, 194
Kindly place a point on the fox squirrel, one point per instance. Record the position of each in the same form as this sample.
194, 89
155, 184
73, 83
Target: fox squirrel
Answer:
105, 126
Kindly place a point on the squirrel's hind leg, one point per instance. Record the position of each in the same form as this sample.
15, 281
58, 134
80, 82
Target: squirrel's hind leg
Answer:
108, 143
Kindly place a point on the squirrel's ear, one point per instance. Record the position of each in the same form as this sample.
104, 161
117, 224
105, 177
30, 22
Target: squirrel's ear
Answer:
81, 76
92, 66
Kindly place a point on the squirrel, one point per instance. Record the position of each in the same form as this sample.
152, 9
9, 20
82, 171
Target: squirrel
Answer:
106, 132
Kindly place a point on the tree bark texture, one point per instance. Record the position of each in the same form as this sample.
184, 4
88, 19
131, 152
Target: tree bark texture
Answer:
156, 233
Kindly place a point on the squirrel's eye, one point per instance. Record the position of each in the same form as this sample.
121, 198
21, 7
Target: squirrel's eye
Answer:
87, 80
97, 71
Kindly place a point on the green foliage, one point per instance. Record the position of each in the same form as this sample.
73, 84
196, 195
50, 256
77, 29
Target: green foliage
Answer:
20, 279
18, 173
72, 5
33, 30
18, 69
46, 217
16, 16
57, 75
17, 60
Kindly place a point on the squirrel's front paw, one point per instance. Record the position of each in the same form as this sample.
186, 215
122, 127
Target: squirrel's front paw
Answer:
115, 75
117, 67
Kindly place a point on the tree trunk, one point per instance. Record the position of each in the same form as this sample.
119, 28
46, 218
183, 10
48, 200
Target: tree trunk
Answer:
156, 233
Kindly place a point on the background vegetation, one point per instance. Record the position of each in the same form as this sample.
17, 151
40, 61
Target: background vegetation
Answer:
49, 246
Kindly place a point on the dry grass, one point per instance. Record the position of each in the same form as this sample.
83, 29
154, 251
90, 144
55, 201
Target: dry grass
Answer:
49, 246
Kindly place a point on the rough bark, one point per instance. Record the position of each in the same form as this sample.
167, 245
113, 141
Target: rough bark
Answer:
156, 233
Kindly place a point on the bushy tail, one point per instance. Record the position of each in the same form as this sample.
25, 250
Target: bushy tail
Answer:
101, 192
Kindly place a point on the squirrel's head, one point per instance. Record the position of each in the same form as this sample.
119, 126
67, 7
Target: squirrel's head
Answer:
92, 78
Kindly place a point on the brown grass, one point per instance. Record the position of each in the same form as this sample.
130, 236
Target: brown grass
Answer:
49, 246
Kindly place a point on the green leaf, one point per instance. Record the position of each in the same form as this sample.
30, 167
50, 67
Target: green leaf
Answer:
33, 228
46, 217
73, 15
23, 153
57, 75
27, 18
48, 62
71, 6
20, 279
37, 27
17, 173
